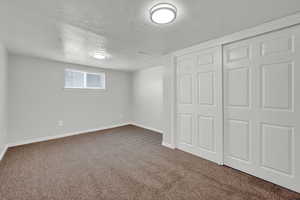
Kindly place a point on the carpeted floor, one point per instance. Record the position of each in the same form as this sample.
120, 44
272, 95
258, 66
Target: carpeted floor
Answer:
123, 163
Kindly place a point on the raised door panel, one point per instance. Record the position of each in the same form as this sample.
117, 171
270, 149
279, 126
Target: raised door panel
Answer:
238, 53
205, 133
185, 127
238, 87
185, 65
185, 89
284, 44
271, 136
205, 59
277, 92
239, 139
206, 88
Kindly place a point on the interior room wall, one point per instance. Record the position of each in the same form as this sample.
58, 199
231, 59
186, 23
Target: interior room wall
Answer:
148, 98
39, 106
167, 75
168, 101
3, 99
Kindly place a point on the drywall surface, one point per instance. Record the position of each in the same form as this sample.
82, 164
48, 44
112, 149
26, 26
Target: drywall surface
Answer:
147, 102
39, 106
3, 98
169, 101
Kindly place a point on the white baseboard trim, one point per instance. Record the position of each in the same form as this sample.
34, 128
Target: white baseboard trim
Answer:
146, 127
171, 146
42, 139
3, 152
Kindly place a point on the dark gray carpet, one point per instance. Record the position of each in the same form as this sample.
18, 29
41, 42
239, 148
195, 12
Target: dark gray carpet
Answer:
123, 163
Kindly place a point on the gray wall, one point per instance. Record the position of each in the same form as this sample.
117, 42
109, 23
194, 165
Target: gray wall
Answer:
37, 100
3, 98
148, 97
168, 99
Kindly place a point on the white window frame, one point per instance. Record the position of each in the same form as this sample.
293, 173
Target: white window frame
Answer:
101, 74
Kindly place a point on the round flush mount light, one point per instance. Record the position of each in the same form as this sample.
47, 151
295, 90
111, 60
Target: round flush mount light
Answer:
163, 13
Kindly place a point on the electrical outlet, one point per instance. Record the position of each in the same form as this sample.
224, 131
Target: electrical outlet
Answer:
60, 123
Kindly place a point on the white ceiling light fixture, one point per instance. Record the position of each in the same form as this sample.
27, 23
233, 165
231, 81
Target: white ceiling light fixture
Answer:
100, 55
163, 13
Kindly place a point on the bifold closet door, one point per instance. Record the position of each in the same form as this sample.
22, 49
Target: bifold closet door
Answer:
262, 106
199, 104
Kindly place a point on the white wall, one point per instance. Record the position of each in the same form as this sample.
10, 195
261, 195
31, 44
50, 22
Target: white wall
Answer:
3, 98
156, 115
37, 100
148, 98
169, 103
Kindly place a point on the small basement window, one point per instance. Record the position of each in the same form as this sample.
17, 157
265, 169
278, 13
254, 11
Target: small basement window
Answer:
75, 79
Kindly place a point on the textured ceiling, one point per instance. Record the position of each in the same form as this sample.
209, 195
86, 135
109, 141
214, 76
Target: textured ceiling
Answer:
69, 30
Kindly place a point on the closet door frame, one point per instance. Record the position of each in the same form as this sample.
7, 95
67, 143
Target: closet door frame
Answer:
204, 116
171, 61
282, 23
264, 116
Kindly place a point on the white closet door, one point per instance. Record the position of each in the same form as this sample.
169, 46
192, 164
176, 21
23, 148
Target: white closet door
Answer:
262, 106
199, 104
